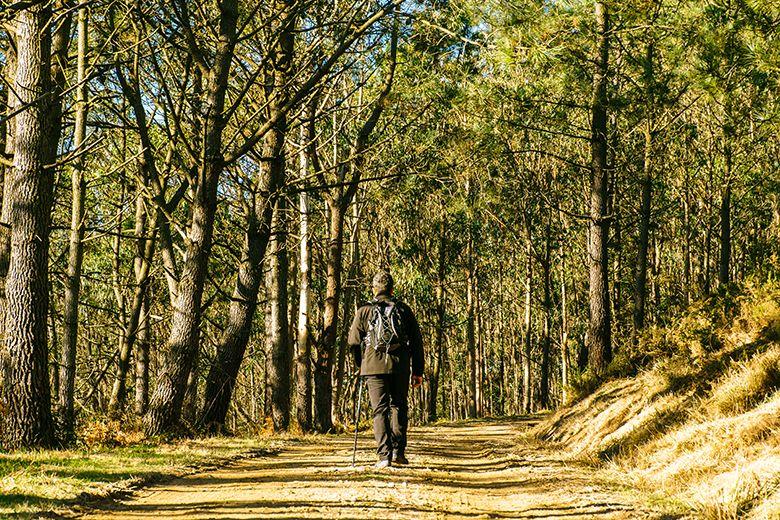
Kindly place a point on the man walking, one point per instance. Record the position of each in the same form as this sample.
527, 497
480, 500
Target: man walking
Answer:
386, 342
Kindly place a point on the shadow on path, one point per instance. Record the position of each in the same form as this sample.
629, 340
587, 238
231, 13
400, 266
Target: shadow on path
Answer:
466, 470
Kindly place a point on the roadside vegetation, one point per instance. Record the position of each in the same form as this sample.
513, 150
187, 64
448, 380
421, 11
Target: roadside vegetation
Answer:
698, 426
108, 461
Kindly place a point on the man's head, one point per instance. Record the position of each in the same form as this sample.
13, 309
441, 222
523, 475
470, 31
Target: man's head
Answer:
382, 284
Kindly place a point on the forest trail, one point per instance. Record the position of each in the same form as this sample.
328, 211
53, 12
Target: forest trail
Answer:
472, 470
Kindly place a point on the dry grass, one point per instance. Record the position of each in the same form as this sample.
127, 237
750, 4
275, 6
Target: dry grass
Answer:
700, 425
747, 384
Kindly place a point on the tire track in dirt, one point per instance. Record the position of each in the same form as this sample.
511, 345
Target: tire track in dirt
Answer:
471, 470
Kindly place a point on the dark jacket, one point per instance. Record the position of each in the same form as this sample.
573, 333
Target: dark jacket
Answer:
372, 362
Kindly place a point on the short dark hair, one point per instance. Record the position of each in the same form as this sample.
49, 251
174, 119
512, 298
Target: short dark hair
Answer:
382, 283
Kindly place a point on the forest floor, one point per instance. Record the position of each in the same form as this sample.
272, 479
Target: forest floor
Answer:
478, 469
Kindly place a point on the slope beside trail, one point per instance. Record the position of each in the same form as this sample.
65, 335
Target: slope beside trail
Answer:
471, 470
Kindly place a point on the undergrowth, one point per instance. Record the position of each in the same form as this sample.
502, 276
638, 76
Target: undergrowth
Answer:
692, 410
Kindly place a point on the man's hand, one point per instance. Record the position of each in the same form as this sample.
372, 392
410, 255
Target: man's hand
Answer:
416, 381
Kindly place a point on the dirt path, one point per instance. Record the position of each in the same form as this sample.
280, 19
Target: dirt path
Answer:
463, 471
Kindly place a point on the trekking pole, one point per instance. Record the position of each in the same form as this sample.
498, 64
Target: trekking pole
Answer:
357, 418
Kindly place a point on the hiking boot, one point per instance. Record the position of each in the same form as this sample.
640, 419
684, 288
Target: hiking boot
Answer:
399, 459
382, 464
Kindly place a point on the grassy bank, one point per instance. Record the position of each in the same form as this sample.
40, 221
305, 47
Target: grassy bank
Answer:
33, 482
698, 423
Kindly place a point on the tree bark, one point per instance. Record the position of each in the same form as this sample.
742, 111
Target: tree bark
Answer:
303, 402
640, 289
323, 397
281, 353
350, 306
527, 384
75, 247
724, 266
545, 343
471, 343
142, 361
9, 126
441, 308
183, 341
142, 266
27, 399
564, 327
222, 375
599, 328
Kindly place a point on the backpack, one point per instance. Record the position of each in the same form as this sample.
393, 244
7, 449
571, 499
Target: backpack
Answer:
385, 327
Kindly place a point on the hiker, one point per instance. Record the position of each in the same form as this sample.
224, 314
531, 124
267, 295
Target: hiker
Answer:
386, 342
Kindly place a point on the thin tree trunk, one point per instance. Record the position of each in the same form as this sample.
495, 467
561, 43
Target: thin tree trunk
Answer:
440, 317
281, 352
640, 289
480, 357
527, 385
350, 293
471, 344
338, 203
142, 265
303, 360
75, 248
564, 331
707, 253
142, 361
599, 329
724, 270
687, 277
9, 126
323, 394
190, 406
544, 374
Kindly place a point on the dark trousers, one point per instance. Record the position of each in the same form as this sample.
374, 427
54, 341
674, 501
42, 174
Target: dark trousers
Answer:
389, 400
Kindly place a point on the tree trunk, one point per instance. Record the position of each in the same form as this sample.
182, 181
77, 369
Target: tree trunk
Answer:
350, 300
724, 270
441, 303
687, 277
323, 421
142, 361
527, 385
182, 345
471, 343
281, 352
27, 399
189, 408
564, 330
640, 289
222, 375
599, 328
9, 126
338, 201
303, 402
75, 248
142, 265
544, 373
